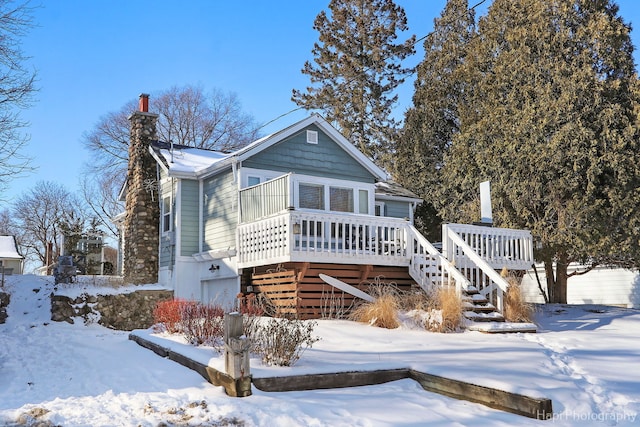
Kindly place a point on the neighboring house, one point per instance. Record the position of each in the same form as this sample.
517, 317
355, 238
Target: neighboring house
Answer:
11, 262
275, 214
87, 250
602, 285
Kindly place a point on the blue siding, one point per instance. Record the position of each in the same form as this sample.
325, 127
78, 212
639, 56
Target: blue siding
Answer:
220, 212
324, 159
397, 209
189, 220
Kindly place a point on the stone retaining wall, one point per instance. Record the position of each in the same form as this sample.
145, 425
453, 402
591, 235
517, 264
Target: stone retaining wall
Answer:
4, 302
125, 312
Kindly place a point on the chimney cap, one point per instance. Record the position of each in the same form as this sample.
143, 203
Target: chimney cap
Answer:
144, 102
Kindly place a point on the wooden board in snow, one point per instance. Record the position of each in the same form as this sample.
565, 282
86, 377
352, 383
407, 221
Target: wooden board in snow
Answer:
346, 287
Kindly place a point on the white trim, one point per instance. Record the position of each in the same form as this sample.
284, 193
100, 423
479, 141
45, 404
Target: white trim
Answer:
356, 186
200, 215
263, 174
312, 137
266, 142
215, 254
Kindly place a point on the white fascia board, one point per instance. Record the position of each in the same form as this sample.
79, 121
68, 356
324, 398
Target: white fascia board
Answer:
158, 159
398, 198
266, 142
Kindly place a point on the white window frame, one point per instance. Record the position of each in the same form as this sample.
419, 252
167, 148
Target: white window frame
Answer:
356, 188
165, 214
262, 175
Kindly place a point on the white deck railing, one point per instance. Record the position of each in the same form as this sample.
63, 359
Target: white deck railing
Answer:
498, 247
478, 252
323, 237
471, 254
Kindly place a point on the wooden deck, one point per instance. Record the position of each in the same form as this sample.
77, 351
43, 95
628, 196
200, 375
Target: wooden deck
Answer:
296, 290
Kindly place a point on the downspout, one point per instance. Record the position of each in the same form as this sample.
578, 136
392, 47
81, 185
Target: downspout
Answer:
201, 216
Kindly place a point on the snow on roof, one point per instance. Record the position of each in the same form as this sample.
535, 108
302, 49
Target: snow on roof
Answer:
188, 160
392, 189
8, 248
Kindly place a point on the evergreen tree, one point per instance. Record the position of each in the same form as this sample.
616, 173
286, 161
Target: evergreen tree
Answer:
433, 119
552, 121
356, 69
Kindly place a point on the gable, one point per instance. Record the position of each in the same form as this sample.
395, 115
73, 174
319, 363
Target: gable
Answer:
325, 158
8, 248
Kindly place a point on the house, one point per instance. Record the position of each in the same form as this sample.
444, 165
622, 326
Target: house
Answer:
273, 215
11, 262
604, 285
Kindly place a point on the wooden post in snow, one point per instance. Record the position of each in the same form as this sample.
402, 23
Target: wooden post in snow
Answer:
236, 356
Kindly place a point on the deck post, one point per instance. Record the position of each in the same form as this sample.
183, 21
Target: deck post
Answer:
236, 356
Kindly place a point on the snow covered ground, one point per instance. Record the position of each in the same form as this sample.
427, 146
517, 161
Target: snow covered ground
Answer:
586, 359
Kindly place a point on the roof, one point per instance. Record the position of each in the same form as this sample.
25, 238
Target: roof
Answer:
182, 160
8, 248
186, 162
393, 190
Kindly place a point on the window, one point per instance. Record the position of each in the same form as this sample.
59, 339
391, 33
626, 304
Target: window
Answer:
253, 180
341, 199
166, 214
363, 198
334, 198
311, 196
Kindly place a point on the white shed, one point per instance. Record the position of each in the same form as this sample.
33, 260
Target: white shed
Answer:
11, 262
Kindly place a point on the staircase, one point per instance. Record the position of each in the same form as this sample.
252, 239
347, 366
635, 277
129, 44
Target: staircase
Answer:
467, 269
482, 316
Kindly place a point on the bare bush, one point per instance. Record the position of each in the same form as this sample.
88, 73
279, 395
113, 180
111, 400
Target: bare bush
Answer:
203, 324
281, 342
333, 304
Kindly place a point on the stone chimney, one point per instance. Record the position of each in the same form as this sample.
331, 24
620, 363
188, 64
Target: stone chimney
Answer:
142, 218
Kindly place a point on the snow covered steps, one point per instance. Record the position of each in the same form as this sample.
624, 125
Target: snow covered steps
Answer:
483, 316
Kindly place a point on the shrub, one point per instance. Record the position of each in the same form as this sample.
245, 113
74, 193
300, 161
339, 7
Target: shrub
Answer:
251, 305
203, 324
414, 299
167, 315
281, 342
516, 309
383, 311
448, 302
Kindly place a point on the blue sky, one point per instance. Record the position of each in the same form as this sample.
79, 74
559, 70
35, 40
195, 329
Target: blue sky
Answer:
92, 57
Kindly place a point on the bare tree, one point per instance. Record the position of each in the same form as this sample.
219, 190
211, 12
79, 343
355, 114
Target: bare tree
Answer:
187, 116
6, 223
40, 213
17, 85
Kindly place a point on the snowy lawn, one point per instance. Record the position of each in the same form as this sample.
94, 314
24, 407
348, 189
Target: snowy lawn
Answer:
586, 359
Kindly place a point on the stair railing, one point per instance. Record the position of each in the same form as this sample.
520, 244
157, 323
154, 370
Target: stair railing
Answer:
429, 268
486, 279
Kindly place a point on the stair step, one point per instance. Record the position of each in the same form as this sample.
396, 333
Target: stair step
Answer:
502, 327
480, 300
477, 298
492, 316
480, 308
472, 290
